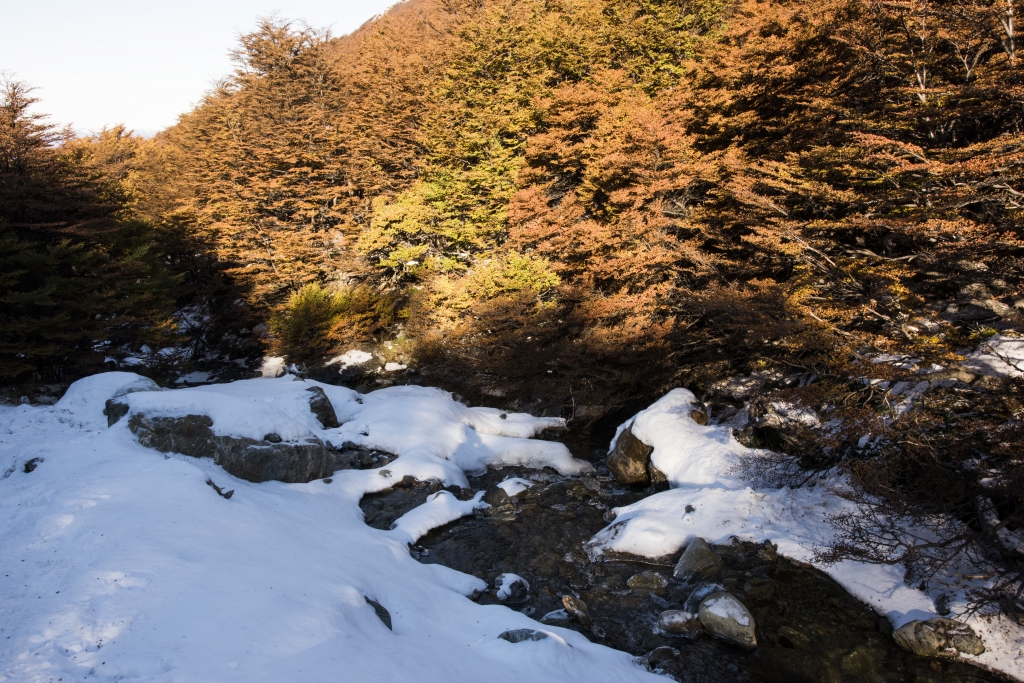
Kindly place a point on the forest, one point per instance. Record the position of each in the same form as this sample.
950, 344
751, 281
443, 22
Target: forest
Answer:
572, 207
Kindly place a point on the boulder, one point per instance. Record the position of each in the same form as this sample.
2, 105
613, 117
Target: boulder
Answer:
245, 458
558, 617
629, 458
677, 622
512, 588
497, 497
938, 637
322, 408
521, 635
577, 609
725, 617
697, 560
647, 581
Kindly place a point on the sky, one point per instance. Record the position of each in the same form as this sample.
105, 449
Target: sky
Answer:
97, 63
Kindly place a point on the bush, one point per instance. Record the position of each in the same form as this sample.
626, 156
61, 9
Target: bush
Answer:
316, 320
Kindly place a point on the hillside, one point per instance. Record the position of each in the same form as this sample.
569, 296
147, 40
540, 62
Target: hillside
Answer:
807, 212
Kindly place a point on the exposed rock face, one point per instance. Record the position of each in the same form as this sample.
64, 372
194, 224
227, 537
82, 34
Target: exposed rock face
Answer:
697, 560
245, 458
938, 638
725, 617
497, 498
629, 459
680, 623
114, 410
322, 408
521, 635
353, 457
779, 427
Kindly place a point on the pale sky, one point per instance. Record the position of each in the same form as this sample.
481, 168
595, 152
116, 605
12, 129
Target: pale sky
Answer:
96, 63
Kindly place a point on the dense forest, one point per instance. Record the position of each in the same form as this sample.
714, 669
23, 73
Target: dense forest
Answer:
576, 205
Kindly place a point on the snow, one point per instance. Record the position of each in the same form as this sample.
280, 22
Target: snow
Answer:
700, 464
120, 563
349, 358
394, 367
504, 585
514, 486
999, 356
272, 366
726, 607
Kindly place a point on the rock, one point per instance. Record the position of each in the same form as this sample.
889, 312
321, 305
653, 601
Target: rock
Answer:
497, 497
248, 459
558, 617
647, 581
190, 435
758, 588
272, 438
322, 408
521, 635
725, 617
697, 560
680, 623
628, 459
939, 637
353, 457
512, 588
577, 609
769, 552
381, 612
780, 426
114, 410
699, 416
655, 475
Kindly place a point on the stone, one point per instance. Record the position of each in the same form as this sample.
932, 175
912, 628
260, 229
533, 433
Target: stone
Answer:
521, 635
322, 408
699, 416
497, 497
272, 438
939, 637
380, 611
248, 459
577, 609
647, 581
628, 459
725, 617
680, 623
114, 410
512, 588
697, 560
558, 617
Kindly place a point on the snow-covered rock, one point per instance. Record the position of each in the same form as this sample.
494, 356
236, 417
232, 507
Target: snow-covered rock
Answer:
725, 617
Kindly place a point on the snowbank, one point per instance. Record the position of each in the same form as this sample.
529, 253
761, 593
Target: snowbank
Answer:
708, 500
119, 563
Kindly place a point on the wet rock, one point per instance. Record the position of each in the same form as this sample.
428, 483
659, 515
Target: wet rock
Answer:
248, 459
697, 560
322, 408
758, 588
680, 623
521, 635
938, 637
558, 617
647, 581
380, 611
628, 459
725, 617
577, 609
512, 588
497, 497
